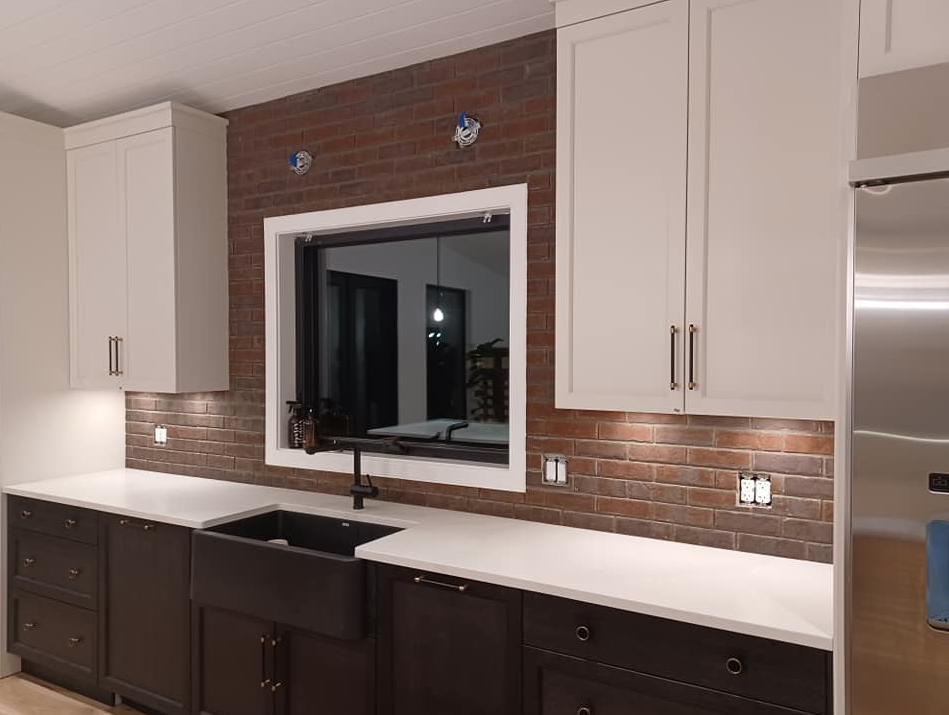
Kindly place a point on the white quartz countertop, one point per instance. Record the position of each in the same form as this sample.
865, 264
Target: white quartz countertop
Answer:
765, 596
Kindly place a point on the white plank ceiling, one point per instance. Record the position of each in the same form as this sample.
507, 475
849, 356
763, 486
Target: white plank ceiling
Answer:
69, 61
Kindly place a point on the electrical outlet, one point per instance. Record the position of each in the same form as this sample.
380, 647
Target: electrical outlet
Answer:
555, 470
762, 490
161, 435
746, 488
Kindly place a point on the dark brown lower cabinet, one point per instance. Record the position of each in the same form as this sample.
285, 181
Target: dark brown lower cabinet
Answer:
145, 624
318, 674
250, 666
447, 645
557, 684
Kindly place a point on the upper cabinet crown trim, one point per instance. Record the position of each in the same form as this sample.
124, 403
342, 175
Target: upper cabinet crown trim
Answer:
570, 12
143, 120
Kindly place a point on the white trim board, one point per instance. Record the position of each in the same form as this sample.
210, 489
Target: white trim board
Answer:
279, 234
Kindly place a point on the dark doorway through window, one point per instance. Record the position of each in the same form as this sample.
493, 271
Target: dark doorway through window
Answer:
363, 372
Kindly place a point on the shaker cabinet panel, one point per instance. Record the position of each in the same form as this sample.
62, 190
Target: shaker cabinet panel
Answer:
767, 193
621, 168
233, 656
447, 645
902, 34
97, 266
145, 601
147, 211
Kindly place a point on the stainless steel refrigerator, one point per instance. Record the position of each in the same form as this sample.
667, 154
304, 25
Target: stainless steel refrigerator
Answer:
898, 600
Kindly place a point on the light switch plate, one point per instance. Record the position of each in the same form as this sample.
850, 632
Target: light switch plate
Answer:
161, 435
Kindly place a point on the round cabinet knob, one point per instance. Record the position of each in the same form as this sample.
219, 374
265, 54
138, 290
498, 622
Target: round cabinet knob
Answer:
583, 633
734, 666
74, 574
70, 523
584, 711
26, 514
73, 641
29, 626
28, 561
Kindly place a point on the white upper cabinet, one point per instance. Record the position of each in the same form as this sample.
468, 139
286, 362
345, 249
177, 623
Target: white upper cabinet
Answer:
727, 303
621, 133
766, 193
148, 251
96, 265
902, 34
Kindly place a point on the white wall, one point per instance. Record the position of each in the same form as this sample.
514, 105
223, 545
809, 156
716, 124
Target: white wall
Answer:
46, 429
413, 265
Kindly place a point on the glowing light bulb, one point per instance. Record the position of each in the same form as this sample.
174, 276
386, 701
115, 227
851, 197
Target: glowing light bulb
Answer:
438, 316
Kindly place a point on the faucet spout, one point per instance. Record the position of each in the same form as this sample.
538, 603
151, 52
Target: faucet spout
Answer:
358, 490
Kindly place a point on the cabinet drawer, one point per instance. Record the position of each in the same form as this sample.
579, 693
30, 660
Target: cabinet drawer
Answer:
563, 685
771, 671
55, 519
53, 634
54, 567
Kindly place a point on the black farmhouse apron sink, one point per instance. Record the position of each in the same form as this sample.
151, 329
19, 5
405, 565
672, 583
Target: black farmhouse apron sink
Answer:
313, 582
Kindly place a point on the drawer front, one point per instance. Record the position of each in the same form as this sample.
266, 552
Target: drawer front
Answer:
57, 568
770, 671
563, 685
53, 634
55, 519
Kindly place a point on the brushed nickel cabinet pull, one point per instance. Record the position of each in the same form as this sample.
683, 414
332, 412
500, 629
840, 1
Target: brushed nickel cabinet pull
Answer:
441, 584
28, 561
734, 666
692, 331
70, 524
29, 626
111, 363
26, 514
73, 574
143, 527
73, 641
118, 359
584, 711
264, 680
583, 633
275, 687
673, 385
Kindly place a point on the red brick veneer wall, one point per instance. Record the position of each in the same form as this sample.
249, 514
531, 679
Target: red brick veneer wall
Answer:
388, 137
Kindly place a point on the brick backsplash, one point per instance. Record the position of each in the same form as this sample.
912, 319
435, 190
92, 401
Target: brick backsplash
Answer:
388, 137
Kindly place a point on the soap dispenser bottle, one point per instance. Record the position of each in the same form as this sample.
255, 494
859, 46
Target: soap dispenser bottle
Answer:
311, 432
296, 425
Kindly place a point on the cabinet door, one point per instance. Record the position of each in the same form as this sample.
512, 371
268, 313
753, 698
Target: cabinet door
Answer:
233, 657
145, 626
319, 674
901, 34
447, 646
147, 213
97, 276
621, 167
766, 215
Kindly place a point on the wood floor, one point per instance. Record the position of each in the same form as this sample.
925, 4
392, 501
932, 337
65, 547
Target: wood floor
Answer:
23, 695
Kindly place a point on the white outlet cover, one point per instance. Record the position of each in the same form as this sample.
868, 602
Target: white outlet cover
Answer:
763, 491
161, 435
747, 490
